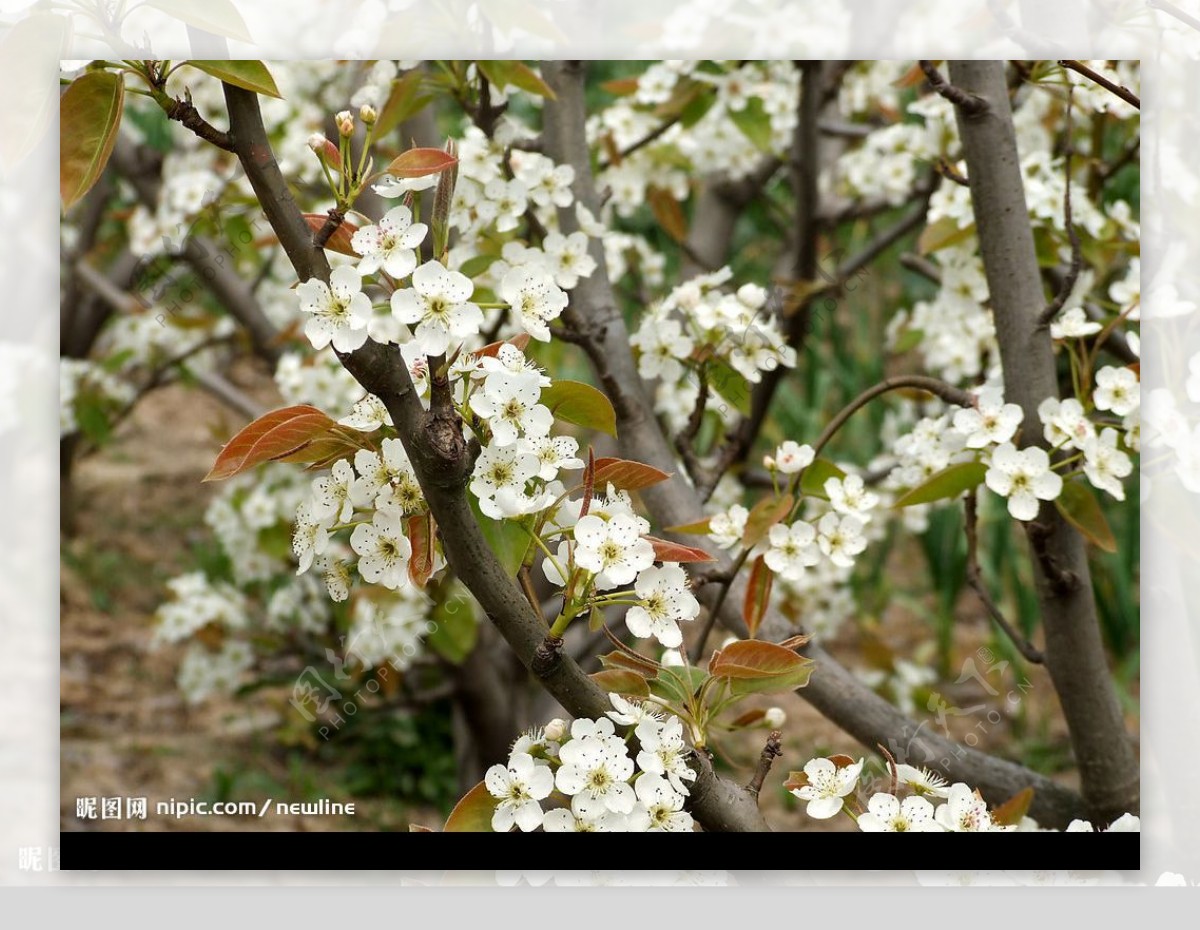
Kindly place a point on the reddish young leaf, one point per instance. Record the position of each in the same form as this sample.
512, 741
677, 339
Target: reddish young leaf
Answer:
667, 551
472, 814
1011, 811
90, 113
340, 240
758, 595
589, 483
751, 665
625, 475
492, 349
764, 515
629, 661
404, 102
795, 781
421, 532
749, 718
668, 212
416, 163
842, 761
621, 681
620, 87
274, 435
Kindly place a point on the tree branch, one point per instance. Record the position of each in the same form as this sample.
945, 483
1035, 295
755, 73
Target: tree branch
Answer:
968, 103
1068, 282
771, 751
979, 586
1123, 92
1074, 650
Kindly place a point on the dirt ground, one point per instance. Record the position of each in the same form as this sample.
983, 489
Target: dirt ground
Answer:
126, 730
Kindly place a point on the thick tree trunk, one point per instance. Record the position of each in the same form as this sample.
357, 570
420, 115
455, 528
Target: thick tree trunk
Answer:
1074, 652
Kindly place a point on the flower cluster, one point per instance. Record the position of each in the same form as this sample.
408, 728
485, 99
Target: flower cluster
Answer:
591, 781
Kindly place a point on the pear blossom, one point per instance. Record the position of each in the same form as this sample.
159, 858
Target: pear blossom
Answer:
585, 815
662, 804
922, 781
1074, 324
336, 575
849, 496
339, 310
965, 812
519, 786
1117, 389
888, 814
438, 304
509, 402
392, 187
991, 423
554, 454
1024, 477
332, 494
792, 549
827, 786
665, 600
661, 348
389, 244
664, 752
1104, 464
595, 763
510, 199
632, 713
383, 548
841, 538
1064, 422
310, 537
612, 550
792, 457
368, 415
535, 298
568, 258
726, 528
499, 479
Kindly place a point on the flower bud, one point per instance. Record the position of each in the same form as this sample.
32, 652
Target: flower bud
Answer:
769, 462
368, 114
671, 658
325, 150
555, 730
775, 717
345, 123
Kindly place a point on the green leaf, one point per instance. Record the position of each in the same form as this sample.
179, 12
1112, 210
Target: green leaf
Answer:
909, 340
154, 126
699, 528
248, 74
457, 629
477, 265
1080, 508
753, 667
730, 384
403, 103
698, 104
517, 74
90, 112
473, 814
813, 478
754, 122
507, 539
942, 234
92, 418
220, 17
678, 683
581, 404
952, 481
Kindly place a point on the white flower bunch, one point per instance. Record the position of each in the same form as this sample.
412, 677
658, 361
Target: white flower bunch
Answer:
594, 780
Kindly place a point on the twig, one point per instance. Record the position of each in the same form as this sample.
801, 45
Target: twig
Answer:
1068, 282
771, 751
892, 767
970, 104
332, 224
715, 610
950, 173
921, 266
947, 392
975, 580
1123, 92
183, 112
652, 136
